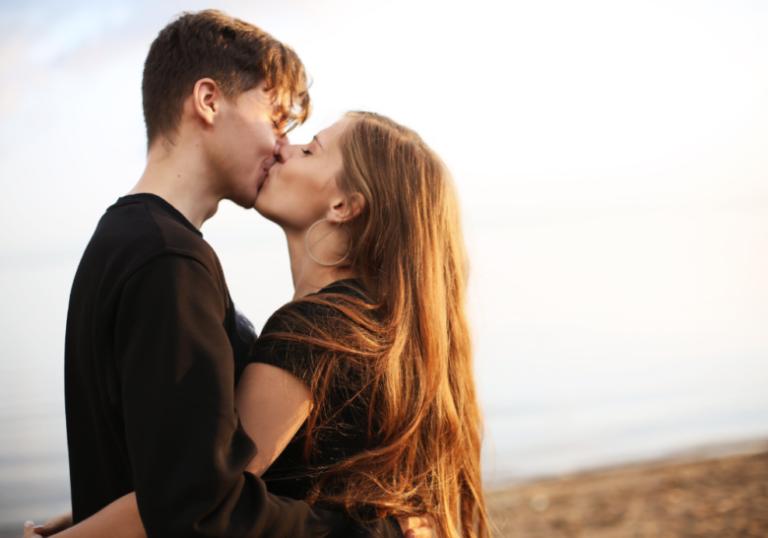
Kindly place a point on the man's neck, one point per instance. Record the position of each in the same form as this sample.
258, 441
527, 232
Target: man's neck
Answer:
182, 179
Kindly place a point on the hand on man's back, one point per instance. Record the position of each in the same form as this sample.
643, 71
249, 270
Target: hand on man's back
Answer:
57, 524
418, 526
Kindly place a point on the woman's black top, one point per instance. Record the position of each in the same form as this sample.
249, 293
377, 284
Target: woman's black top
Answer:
345, 435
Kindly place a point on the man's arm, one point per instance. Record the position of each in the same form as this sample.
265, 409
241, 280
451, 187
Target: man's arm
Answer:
185, 444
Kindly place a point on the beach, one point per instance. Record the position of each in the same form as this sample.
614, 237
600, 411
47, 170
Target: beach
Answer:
719, 497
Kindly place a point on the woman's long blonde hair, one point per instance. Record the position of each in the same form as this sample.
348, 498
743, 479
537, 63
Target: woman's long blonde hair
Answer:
412, 339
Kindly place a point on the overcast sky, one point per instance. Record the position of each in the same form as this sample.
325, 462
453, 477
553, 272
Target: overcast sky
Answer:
540, 108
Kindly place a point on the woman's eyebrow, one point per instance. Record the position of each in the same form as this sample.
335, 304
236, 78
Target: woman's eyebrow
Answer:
315, 139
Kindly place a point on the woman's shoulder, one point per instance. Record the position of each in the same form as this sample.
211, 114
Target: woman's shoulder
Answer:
331, 302
351, 292
298, 334
351, 287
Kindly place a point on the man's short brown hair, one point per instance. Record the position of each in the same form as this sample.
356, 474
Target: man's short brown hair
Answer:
235, 54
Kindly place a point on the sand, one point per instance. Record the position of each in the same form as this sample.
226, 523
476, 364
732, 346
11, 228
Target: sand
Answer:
721, 497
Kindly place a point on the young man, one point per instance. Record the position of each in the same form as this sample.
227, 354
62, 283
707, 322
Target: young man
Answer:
154, 343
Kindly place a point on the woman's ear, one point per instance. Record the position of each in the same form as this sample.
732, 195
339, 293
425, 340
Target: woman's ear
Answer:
205, 99
346, 208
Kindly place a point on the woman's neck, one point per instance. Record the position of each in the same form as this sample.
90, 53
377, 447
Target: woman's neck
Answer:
308, 275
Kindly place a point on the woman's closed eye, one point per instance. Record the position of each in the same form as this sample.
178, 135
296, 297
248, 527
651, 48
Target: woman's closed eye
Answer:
306, 152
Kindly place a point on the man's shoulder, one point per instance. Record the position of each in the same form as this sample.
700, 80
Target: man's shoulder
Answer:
136, 231
148, 226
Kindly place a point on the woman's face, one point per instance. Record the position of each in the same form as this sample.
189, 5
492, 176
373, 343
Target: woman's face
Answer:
301, 189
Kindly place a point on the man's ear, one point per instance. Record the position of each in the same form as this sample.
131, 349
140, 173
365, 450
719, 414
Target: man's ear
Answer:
206, 98
345, 208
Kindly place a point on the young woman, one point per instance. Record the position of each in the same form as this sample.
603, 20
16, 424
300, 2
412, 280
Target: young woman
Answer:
360, 393
374, 352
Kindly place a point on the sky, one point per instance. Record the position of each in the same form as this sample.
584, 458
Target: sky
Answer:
611, 162
539, 108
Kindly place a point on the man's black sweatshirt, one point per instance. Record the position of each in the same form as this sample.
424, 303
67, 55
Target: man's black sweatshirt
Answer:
153, 348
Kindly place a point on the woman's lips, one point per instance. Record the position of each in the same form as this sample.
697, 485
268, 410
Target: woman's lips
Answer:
263, 177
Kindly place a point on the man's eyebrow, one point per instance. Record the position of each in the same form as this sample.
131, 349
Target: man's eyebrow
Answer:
315, 139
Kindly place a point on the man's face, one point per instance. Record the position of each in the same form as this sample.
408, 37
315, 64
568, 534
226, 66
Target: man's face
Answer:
241, 147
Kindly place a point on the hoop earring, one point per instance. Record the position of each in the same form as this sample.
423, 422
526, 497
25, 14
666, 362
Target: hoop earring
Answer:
306, 244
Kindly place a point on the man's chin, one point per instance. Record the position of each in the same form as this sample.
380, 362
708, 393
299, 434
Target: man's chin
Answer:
245, 200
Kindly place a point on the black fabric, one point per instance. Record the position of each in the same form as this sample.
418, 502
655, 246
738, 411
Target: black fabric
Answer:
153, 347
346, 434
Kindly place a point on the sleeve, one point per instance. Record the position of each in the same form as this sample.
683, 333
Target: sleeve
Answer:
242, 339
297, 358
185, 444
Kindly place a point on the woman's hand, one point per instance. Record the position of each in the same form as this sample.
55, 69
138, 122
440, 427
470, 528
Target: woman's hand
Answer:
55, 525
415, 527
29, 530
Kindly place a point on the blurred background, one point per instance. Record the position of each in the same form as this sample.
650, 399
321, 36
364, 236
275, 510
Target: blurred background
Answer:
611, 156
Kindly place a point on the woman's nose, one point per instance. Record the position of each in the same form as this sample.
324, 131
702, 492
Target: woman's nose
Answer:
285, 152
281, 142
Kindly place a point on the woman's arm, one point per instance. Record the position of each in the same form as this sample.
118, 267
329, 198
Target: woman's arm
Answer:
55, 525
119, 519
273, 404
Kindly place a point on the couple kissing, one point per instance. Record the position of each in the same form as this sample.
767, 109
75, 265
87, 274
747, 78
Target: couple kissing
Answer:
354, 412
